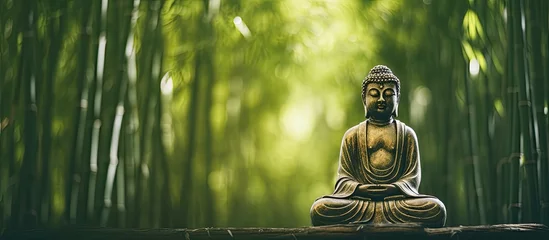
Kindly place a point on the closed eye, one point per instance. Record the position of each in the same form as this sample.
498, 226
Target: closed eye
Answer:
374, 92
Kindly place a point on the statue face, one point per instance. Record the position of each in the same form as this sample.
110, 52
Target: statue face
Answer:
381, 100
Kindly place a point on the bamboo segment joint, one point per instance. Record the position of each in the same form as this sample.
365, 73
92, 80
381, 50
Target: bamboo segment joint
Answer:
525, 103
515, 205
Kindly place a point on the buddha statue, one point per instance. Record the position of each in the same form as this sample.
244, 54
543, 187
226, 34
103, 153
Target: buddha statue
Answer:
379, 169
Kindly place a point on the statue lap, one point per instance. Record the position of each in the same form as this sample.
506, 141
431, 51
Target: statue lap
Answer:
428, 211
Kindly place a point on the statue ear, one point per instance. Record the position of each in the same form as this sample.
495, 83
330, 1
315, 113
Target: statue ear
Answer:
365, 109
395, 113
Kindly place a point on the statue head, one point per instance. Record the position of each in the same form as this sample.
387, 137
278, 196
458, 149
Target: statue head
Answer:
380, 93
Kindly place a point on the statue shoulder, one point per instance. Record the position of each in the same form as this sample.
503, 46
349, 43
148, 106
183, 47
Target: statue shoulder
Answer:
352, 132
408, 131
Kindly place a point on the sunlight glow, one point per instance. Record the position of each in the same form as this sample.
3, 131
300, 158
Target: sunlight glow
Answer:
298, 120
419, 101
474, 67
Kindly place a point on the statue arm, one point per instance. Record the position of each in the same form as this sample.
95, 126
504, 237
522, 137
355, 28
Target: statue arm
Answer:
408, 184
347, 184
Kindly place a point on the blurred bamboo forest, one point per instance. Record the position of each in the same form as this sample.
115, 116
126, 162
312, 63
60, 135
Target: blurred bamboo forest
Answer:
129, 113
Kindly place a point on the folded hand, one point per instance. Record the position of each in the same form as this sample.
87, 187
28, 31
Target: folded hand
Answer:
376, 191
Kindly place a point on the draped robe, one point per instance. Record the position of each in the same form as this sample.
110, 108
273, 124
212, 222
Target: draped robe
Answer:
355, 169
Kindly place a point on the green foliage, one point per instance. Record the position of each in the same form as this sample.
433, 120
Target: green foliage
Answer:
234, 110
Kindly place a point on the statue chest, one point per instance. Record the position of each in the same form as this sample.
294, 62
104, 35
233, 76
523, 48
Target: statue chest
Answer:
381, 144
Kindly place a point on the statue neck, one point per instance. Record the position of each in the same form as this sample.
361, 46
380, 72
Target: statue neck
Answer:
381, 122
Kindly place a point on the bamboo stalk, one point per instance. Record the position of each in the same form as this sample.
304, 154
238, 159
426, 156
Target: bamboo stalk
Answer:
193, 116
120, 186
151, 64
27, 178
208, 144
503, 166
57, 39
11, 96
448, 134
477, 181
13, 190
117, 124
164, 134
187, 186
156, 189
133, 152
72, 192
544, 19
487, 112
130, 64
3, 175
538, 84
2, 80
158, 183
210, 12
514, 202
113, 155
515, 196
156, 186
527, 121
100, 67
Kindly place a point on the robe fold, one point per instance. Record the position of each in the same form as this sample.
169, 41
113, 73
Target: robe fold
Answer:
344, 206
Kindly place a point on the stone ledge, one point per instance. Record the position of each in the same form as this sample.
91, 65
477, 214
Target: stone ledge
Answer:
362, 232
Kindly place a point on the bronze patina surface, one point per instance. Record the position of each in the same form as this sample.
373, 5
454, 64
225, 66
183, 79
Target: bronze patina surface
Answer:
379, 166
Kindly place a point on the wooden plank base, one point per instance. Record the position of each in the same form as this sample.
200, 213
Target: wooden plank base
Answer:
350, 231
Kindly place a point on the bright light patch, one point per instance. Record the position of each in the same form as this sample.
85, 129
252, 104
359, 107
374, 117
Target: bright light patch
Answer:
474, 67
420, 99
499, 107
166, 85
298, 120
335, 116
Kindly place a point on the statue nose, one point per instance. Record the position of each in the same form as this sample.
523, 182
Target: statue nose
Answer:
381, 99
